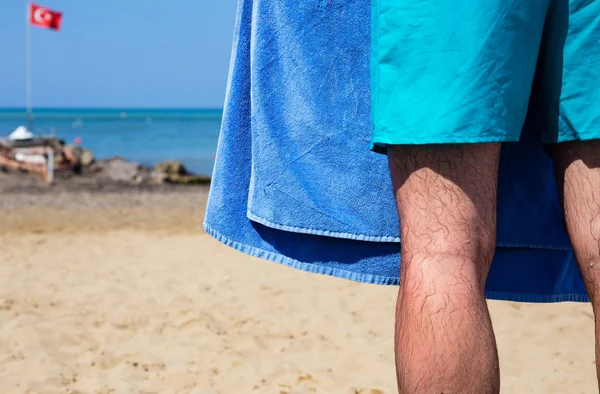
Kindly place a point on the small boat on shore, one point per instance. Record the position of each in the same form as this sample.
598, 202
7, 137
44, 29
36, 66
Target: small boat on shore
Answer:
23, 150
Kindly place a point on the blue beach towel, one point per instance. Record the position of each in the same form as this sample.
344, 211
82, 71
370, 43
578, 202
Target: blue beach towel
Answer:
295, 181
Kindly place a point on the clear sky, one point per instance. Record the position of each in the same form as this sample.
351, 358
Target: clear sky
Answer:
120, 53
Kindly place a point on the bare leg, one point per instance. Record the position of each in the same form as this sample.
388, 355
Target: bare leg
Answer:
446, 197
577, 167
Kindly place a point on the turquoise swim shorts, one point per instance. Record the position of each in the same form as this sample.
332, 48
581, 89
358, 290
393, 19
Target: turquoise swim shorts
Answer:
474, 71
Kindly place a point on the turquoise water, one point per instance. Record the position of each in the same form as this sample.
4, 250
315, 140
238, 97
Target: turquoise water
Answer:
145, 136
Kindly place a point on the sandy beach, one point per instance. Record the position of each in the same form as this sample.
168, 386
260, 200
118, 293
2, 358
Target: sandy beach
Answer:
118, 290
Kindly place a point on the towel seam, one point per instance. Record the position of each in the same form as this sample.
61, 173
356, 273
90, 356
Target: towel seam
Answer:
316, 231
376, 238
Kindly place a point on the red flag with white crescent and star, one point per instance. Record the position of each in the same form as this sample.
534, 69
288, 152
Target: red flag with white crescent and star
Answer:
43, 17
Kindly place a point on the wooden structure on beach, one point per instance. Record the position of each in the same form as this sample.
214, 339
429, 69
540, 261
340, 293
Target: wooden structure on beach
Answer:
41, 156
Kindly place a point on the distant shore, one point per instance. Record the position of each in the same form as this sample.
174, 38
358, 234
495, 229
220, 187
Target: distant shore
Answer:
144, 135
115, 174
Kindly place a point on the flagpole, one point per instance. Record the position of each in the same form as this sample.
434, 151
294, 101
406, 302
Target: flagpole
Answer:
28, 68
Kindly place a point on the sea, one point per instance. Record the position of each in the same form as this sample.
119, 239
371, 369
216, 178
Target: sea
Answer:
147, 136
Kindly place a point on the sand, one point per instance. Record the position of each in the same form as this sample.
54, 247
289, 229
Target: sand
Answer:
121, 292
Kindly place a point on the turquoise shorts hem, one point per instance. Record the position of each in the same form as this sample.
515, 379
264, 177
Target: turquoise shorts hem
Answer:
380, 145
385, 137
566, 134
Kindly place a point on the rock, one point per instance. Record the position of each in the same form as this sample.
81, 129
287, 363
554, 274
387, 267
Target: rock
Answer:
119, 169
142, 177
189, 179
158, 178
171, 167
175, 172
86, 157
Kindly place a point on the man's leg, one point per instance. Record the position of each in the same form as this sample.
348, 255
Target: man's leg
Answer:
577, 166
446, 198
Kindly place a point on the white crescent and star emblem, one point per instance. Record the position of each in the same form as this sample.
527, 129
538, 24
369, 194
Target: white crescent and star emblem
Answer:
40, 15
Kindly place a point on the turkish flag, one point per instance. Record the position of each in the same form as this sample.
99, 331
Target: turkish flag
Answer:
44, 17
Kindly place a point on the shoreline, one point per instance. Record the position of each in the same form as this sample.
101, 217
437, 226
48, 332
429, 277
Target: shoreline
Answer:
84, 205
85, 172
23, 183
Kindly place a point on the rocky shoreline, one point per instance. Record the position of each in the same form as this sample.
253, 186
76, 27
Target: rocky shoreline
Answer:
118, 169
113, 174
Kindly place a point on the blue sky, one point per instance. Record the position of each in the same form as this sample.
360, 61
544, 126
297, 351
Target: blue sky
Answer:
120, 53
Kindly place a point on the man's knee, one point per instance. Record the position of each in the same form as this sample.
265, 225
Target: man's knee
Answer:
453, 248
446, 197
458, 268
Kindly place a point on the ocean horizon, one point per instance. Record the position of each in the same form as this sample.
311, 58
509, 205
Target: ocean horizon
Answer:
144, 135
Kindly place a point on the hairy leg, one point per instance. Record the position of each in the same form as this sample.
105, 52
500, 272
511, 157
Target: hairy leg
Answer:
577, 166
446, 198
